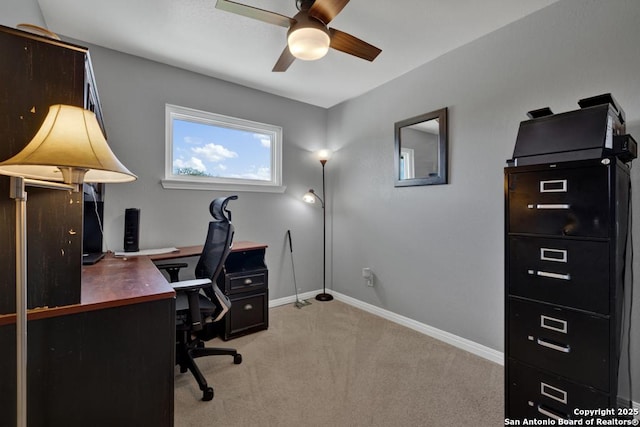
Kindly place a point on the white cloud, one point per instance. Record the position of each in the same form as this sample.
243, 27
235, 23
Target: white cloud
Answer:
194, 163
261, 173
265, 141
214, 153
192, 140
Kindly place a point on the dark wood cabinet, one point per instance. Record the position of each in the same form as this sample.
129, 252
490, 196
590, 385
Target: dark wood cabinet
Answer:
244, 280
566, 234
38, 72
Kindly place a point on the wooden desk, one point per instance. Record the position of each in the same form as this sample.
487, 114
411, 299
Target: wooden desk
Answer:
112, 282
106, 361
187, 251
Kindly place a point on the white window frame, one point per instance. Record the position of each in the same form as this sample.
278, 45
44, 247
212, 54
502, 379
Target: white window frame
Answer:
189, 182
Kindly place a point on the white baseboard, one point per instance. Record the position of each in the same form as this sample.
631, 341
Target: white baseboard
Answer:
291, 299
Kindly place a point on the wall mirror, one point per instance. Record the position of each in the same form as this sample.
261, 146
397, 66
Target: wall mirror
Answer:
421, 149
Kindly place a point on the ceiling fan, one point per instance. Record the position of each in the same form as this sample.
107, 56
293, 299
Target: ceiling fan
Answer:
308, 37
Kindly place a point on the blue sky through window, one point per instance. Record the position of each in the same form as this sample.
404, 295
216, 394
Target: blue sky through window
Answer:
223, 152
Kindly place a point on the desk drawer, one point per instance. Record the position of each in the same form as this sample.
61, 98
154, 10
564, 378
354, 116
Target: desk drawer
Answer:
572, 273
249, 313
569, 343
561, 202
246, 282
535, 394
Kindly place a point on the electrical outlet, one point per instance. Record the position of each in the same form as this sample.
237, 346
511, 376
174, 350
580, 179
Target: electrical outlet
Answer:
368, 274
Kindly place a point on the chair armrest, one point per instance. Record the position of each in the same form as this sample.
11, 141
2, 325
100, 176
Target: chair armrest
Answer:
173, 270
191, 285
192, 289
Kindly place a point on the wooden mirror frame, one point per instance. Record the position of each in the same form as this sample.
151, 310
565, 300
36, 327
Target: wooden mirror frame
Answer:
442, 176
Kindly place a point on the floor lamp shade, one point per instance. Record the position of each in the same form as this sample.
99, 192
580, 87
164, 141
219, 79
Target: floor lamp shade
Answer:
69, 147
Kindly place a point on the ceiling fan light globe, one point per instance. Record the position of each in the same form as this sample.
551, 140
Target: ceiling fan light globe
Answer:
308, 44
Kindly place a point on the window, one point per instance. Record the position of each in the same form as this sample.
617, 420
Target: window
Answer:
210, 151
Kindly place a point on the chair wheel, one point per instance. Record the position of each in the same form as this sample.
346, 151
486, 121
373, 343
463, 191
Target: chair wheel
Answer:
207, 394
237, 359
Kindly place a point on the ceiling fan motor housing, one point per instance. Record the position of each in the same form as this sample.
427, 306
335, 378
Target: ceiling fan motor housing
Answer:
304, 5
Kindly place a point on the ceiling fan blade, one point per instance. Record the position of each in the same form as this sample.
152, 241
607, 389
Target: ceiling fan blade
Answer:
326, 10
255, 13
352, 45
286, 59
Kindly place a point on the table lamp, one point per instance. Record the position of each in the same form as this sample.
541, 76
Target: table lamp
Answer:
68, 149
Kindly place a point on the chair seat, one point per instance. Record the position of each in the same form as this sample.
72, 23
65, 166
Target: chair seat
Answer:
182, 303
207, 310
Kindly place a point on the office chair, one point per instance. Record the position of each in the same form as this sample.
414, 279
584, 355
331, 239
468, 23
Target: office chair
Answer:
199, 302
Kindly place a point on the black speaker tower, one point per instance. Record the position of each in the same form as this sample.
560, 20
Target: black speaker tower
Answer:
131, 230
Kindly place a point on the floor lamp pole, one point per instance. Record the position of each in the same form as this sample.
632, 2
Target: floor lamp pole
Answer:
18, 193
324, 296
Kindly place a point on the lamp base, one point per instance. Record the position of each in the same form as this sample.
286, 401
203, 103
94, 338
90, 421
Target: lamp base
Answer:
324, 297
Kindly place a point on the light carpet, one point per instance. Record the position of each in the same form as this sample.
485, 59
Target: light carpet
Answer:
331, 364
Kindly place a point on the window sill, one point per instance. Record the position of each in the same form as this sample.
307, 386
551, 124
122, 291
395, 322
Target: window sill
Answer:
171, 184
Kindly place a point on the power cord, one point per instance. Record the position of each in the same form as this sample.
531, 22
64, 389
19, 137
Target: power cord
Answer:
95, 208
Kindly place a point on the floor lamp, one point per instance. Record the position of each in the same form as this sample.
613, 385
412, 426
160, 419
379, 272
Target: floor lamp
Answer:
68, 147
310, 197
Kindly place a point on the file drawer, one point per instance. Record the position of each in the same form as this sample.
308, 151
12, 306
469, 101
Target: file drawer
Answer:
248, 314
572, 273
567, 342
538, 394
246, 282
560, 202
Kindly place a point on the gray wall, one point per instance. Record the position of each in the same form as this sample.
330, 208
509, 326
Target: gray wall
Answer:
437, 251
133, 94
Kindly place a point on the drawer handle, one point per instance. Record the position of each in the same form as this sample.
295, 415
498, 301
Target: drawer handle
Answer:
553, 392
248, 307
560, 348
549, 206
549, 414
555, 255
553, 324
248, 281
550, 275
553, 186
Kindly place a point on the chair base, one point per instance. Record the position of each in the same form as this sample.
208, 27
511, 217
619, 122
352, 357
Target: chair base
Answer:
186, 355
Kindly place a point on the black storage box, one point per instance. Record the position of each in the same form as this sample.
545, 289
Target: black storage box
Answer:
595, 131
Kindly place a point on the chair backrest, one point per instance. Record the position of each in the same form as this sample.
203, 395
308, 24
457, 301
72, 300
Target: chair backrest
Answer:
219, 239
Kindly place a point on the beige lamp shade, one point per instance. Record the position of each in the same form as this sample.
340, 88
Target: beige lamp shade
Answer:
69, 147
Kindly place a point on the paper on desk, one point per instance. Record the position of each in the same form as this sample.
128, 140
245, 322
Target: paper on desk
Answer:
147, 252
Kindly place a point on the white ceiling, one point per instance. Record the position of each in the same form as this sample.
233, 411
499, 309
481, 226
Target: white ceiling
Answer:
194, 35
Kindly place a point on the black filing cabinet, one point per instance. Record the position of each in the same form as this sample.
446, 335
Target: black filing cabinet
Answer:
566, 233
244, 280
